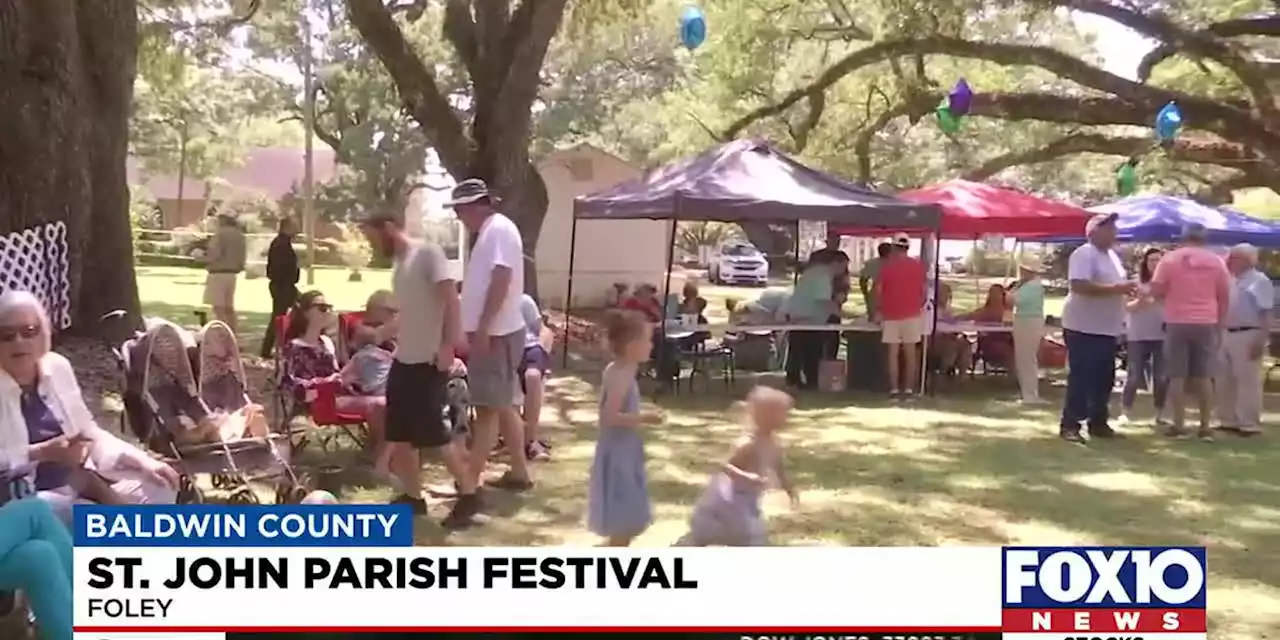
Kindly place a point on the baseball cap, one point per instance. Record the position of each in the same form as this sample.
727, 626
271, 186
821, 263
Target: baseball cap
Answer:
468, 191
901, 239
1099, 220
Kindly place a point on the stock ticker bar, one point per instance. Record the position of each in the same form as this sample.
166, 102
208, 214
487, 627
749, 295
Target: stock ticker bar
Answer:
719, 634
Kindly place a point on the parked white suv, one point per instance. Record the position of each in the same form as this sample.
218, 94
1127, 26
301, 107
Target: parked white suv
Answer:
739, 264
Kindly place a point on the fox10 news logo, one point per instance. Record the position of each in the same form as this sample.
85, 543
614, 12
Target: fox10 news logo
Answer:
1104, 593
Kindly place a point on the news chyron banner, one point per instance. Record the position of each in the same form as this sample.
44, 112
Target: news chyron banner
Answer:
205, 572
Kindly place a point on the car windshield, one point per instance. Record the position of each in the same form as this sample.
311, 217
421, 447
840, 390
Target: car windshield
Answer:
741, 251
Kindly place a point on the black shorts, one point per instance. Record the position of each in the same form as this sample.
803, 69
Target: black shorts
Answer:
416, 405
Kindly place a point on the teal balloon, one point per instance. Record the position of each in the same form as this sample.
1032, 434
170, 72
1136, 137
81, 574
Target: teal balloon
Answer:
947, 121
1168, 122
693, 27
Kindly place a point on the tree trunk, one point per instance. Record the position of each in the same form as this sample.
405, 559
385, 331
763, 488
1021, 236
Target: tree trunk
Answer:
65, 94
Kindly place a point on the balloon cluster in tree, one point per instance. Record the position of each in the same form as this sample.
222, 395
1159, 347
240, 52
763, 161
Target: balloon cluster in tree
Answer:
953, 110
1167, 125
693, 27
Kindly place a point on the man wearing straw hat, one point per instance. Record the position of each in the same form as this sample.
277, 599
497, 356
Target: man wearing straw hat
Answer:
1195, 286
1028, 326
1092, 322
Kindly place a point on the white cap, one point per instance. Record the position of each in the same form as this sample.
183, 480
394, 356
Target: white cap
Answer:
901, 239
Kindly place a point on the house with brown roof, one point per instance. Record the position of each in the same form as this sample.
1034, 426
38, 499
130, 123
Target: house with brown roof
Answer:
273, 173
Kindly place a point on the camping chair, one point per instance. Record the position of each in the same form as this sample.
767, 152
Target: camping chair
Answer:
321, 407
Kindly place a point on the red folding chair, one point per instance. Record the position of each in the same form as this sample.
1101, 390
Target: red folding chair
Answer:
320, 404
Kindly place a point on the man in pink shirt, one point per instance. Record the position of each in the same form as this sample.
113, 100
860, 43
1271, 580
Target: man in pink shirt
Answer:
1196, 288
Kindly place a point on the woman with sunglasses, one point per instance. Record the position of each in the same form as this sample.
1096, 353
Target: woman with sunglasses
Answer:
44, 420
311, 360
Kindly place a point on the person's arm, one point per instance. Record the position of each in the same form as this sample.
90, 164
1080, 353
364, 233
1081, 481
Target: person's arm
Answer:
214, 249
106, 451
616, 385
507, 253
1224, 294
446, 290
741, 457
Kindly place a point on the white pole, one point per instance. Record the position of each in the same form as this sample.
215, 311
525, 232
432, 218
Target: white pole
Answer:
308, 174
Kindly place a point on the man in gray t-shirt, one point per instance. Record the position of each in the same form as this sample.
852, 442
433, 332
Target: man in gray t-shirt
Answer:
1092, 322
428, 329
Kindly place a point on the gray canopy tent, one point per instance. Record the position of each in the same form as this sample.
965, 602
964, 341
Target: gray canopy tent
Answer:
743, 180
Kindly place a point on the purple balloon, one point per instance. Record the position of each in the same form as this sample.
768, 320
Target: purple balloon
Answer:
960, 99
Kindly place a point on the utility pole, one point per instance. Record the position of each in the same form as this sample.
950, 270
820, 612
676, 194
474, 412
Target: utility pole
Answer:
308, 123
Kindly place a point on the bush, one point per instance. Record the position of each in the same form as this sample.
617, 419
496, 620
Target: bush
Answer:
162, 260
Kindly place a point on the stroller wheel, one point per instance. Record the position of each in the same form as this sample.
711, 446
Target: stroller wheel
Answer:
243, 495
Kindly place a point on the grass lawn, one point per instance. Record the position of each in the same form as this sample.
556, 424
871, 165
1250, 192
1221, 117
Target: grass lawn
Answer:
967, 468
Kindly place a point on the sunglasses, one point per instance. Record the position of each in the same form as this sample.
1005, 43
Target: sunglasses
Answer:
26, 332
323, 307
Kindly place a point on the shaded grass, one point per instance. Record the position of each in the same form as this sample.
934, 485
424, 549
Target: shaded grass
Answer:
965, 468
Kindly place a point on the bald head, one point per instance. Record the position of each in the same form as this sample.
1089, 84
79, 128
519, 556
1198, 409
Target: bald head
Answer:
1242, 257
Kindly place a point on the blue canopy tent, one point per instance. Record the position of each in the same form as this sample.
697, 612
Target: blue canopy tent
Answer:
1157, 218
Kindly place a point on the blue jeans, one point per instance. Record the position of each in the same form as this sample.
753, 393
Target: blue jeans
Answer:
1146, 363
1091, 373
35, 558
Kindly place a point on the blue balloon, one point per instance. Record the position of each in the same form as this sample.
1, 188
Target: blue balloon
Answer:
1168, 122
693, 27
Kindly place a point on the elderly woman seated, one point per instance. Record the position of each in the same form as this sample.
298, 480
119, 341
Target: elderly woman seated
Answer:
645, 300
44, 420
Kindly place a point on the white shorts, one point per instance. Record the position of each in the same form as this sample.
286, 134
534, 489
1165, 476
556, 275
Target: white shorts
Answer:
220, 289
905, 331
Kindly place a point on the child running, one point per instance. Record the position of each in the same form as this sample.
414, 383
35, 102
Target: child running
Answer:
618, 495
728, 513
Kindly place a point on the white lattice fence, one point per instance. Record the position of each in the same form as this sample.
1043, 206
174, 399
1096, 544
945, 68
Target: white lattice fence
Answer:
35, 260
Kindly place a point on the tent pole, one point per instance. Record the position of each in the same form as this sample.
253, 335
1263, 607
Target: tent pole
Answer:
568, 290
663, 352
933, 332
795, 273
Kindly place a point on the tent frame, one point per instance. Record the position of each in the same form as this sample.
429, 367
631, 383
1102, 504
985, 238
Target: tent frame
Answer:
675, 220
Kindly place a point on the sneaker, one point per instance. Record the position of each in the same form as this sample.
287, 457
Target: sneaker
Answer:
508, 482
418, 505
1072, 435
1204, 434
537, 451
1123, 419
1175, 431
1249, 431
894, 394
465, 513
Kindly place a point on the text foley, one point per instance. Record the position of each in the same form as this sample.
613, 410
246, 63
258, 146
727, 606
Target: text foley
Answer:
337, 570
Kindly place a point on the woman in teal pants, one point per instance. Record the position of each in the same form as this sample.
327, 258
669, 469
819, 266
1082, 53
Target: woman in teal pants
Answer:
35, 558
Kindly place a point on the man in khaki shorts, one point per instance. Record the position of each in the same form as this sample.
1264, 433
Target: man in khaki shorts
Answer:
900, 293
224, 261
492, 293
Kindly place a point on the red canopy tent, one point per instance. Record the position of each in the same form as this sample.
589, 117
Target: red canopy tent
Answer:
973, 209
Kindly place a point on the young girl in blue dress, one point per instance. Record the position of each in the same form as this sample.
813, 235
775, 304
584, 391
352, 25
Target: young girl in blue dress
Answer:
618, 495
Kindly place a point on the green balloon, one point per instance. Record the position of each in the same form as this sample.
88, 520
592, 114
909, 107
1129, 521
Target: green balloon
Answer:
947, 121
1126, 180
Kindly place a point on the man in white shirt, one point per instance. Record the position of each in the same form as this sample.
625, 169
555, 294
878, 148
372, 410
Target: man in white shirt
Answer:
429, 328
1092, 322
492, 290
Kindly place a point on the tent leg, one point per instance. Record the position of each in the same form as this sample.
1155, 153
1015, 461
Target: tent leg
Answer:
663, 351
568, 291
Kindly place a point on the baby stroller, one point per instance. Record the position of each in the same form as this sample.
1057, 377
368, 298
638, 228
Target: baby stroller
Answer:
165, 402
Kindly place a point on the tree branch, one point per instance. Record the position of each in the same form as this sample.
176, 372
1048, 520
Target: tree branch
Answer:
1156, 26
1219, 152
1128, 97
1268, 26
416, 83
